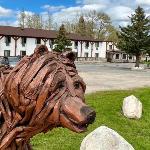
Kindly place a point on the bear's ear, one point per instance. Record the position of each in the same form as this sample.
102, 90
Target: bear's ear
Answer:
70, 55
40, 50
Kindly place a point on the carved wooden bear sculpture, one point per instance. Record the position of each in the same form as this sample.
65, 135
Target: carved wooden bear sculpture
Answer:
42, 92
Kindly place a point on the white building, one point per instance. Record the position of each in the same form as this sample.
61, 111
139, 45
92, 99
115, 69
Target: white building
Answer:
16, 41
113, 54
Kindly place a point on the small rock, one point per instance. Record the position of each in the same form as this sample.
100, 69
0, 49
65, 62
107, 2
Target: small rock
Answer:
137, 68
104, 138
132, 107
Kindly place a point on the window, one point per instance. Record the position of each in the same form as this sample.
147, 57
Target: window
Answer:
117, 56
76, 44
110, 47
23, 41
6, 53
22, 53
96, 55
76, 54
130, 57
38, 41
51, 43
124, 56
86, 45
7, 40
86, 54
97, 45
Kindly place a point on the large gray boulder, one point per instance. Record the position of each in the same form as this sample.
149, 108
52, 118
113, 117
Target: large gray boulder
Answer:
104, 138
132, 107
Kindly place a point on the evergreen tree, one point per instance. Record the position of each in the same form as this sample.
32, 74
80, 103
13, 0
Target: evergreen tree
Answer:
135, 38
62, 42
81, 27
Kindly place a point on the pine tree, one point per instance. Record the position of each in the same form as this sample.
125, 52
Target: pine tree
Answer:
81, 27
135, 38
62, 42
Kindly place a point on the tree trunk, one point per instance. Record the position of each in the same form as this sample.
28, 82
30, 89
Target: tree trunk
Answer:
137, 64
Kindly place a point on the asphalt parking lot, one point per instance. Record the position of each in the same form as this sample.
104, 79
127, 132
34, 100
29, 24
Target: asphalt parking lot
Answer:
112, 76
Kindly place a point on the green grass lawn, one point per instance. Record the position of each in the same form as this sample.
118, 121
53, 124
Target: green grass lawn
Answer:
108, 112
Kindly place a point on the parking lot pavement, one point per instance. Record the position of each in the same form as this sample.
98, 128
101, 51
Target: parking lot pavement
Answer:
106, 76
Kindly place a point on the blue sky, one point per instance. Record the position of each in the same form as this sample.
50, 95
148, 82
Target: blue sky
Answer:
34, 5
67, 10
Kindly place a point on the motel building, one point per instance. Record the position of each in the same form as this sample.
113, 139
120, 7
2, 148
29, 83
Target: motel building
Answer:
17, 41
113, 54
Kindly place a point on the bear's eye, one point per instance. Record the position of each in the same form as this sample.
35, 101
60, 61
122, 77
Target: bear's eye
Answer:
61, 85
77, 85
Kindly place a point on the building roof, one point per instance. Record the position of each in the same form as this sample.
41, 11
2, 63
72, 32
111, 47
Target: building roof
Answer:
39, 33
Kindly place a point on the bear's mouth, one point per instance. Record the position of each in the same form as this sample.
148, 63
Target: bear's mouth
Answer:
68, 122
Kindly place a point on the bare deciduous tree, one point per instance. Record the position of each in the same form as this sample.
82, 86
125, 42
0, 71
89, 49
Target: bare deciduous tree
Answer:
22, 17
92, 24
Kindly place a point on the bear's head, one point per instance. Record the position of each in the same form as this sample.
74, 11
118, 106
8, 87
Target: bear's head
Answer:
45, 91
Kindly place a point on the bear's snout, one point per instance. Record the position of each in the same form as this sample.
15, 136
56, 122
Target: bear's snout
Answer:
77, 111
90, 113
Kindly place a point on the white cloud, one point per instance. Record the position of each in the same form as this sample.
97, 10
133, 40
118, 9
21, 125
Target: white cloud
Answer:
121, 23
96, 2
8, 17
143, 2
26, 13
72, 13
14, 23
53, 8
78, 1
4, 12
110, 3
97, 7
119, 13
9, 23
12, 20
117, 10
67, 14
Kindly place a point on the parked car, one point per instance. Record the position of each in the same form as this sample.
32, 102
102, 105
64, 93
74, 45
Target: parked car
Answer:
9, 61
14, 60
4, 61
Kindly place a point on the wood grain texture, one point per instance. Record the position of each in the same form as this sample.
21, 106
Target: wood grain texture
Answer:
33, 98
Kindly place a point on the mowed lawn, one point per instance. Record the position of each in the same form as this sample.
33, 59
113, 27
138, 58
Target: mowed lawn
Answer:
108, 112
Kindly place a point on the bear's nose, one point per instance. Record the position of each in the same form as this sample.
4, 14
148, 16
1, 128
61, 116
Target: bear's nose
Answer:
89, 113
91, 117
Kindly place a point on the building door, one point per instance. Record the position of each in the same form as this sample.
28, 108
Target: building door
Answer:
76, 55
6, 53
96, 56
86, 55
22, 53
109, 57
